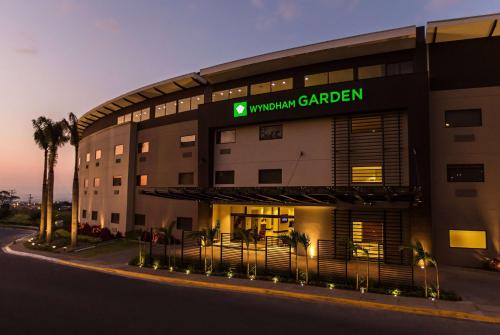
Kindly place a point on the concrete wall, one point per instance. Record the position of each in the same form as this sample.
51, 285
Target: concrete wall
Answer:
449, 210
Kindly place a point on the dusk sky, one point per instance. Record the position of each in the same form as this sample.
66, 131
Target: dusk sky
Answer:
61, 56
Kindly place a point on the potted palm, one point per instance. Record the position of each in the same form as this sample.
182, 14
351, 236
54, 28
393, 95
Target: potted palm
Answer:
246, 235
293, 239
422, 258
305, 240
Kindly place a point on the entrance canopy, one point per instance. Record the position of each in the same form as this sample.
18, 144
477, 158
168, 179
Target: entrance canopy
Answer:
298, 196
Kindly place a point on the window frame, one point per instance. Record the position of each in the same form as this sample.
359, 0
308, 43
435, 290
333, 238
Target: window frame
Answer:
219, 173
447, 124
261, 138
218, 136
450, 166
260, 179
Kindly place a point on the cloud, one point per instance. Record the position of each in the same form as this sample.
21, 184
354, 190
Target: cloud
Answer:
27, 45
108, 25
68, 6
284, 11
288, 10
257, 3
26, 50
439, 5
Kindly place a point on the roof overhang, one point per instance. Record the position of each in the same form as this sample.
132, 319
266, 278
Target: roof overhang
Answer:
164, 87
290, 196
463, 28
350, 47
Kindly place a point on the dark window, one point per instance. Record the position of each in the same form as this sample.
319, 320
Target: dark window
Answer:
270, 176
185, 224
94, 215
399, 68
186, 178
224, 177
117, 181
225, 151
118, 160
115, 217
226, 136
142, 159
465, 172
140, 220
84, 214
463, 118
116, 192
187, 154
271, 132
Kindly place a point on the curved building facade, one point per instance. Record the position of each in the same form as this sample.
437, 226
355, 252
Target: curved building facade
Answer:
373, 138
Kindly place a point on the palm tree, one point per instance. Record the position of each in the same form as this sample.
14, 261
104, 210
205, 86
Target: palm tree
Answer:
207, 237
305, 240
246, 235
56, 138
433, 261
293, 239
42, 141
71, 126
212, 234
168, 239
356, 248
423, 257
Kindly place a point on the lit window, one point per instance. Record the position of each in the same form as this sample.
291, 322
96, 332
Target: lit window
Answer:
196, 101
97, 182
184, 105
368, 235
119, 150
85, 183
120, 119
142, 180
220, 95
171, 108
127, 117
282, 84
463, 118
238, 92
160, 110
316, 79
98, 154
473, 239
143, 147
87, 157
260, 88
136, 116
366, 124
226, 136
366, 174
340, 76
145, 114
372, 71
188, 140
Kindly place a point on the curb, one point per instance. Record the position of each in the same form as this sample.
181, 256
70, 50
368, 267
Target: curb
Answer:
263, 291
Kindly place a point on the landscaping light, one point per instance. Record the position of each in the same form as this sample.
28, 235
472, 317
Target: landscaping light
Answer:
331, 286
171, 269
362, 290
53, 247
301, 283
188, 271
395, 293
275, 279
252, 277
33, 243
208, 273
230, 274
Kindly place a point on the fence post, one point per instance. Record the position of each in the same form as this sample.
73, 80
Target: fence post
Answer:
241, 255
317, 260
345, 260
378, 262
289, 260
265, 258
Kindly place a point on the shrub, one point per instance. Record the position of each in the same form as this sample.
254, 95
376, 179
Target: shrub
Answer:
105, 234
62, 233
85, 229
89, 239
95, 231
118, 235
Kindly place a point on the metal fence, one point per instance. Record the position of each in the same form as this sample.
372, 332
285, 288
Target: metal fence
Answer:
231, 252
278, 257
190, 249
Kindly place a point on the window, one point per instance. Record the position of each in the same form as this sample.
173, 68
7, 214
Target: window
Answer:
117, 180
270, 176
141, 115
465, 172
115, 218
197, 101
316, 79
399, 68
331, 77
84, 214
142, 180
184, 224
98, 154
220, 95
120, 119
271, 132
368, 235
160, 110
97, 182
119, 149
140, 219
272, 86
188, 141
463, 118
184, 105
260, 88
238, 92
186, 178
474, 239
127, 117
94, 216
366, 174
372, 71
226, 136
224, 177
87, 157
143, 147
85, 183
171, 108
367, 124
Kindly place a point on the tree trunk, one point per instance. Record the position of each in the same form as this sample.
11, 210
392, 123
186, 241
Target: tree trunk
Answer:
367, 272
43, 205
307, 268
425, 279
50, 196
74, 202
296, 264
437, 282
248, 260
255, 272
212, 256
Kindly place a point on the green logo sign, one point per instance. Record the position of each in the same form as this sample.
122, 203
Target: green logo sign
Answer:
322, 98
240, 109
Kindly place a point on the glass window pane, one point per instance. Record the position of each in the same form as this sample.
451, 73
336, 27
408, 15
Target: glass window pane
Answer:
98, 154
170, 107
270, 176
145, 114
184, 105
260, 88
372, 71
220, 95
186, 178
340, 76
271, 132
137, 116
282, 84
316, 79
367, 124
226, 136
97, 182
128, 117
119, 150
463, 118
238, 92
188, 140
224, 177
87, 157
465, 172
160, 110
196, 101
474, 239
366, 174
120, 119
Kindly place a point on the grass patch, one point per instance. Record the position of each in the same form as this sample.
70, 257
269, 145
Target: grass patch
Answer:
109, 248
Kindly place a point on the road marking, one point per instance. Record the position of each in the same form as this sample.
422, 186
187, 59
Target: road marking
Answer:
263, 291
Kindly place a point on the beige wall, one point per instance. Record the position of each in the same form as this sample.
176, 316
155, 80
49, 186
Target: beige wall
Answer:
317, 222
249, 154
449, 211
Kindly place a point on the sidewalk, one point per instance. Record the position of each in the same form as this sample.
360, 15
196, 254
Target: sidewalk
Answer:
477, 305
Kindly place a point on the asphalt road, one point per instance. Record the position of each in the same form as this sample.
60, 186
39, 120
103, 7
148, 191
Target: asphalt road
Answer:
37, 297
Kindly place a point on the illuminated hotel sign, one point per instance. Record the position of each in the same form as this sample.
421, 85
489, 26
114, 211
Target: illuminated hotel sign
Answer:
242, 108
